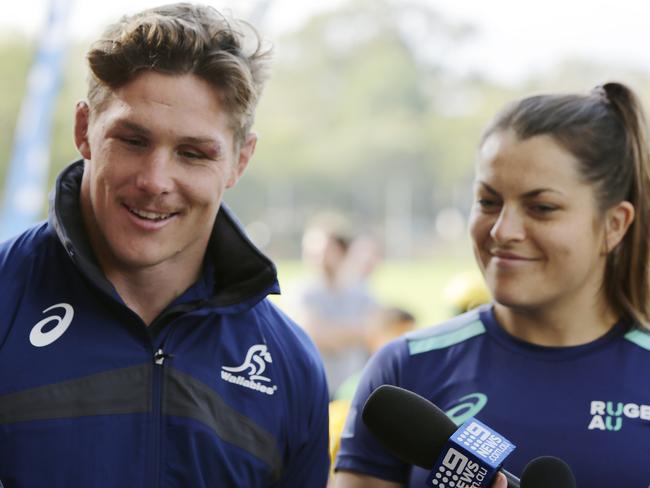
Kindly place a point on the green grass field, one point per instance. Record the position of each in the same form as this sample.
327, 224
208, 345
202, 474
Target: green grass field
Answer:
423, 287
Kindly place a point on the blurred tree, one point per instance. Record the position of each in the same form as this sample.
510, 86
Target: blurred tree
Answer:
73, 89
360, 115
15, 58
349, 109
349, 91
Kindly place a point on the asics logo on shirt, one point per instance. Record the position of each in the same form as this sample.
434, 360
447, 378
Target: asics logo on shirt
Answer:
253, 366
468, 406
609, 416
40, 337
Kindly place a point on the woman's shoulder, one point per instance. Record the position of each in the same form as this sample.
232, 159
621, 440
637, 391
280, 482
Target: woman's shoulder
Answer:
454, 331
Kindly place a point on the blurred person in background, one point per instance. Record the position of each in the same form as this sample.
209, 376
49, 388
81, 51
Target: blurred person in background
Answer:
335, 305
387, 324
557, 363
137, 346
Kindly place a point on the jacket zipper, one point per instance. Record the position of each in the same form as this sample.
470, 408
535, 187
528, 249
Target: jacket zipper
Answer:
156, 412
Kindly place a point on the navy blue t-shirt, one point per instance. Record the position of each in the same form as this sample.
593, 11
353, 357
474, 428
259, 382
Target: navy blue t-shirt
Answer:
588, 405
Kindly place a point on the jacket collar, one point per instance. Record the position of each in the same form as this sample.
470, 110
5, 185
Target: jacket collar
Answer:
243, 274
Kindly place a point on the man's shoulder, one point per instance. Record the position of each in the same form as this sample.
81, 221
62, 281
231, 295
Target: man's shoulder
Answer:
282, 329
23, 259
25, 247
280, 322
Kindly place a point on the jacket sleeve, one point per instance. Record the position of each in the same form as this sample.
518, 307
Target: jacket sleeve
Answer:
16, 264
308, 463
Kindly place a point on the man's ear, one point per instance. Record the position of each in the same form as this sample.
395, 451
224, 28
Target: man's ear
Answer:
81, 121
245, 154
617, 221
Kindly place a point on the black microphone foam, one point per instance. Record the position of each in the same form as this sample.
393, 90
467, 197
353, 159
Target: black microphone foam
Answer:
546, 472
416, 431
407, 425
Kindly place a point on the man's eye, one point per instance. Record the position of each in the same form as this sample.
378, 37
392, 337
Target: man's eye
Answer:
133, 141
191, 155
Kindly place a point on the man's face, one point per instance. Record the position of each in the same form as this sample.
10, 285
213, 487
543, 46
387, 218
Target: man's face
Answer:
158, 158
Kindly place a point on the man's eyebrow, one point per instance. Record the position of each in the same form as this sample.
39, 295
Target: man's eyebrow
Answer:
127, 124
200, 140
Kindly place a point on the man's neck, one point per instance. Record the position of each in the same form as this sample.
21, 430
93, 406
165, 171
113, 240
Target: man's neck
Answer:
149, 291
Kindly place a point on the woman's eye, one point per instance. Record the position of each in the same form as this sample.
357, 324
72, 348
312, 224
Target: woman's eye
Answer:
543, 208
487, 203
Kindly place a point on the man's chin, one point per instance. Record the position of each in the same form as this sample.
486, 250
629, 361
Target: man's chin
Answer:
135, 258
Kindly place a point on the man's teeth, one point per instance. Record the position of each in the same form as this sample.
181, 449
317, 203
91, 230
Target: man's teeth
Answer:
150, 215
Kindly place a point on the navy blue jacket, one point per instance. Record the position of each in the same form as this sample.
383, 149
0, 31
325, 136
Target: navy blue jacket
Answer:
221, 390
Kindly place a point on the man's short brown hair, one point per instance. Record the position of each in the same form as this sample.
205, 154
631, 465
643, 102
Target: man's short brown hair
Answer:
178, 39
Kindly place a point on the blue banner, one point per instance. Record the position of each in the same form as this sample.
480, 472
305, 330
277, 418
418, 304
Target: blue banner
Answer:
25, 186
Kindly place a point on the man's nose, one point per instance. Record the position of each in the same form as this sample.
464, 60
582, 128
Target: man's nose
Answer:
154, 176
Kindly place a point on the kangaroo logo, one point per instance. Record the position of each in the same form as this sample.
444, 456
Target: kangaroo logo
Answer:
256, 359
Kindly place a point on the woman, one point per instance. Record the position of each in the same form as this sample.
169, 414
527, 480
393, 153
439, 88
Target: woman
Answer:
557, 363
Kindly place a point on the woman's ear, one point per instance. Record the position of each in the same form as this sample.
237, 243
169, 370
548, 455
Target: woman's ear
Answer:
617, 222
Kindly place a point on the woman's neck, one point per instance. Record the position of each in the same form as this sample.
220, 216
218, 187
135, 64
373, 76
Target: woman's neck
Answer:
559, 325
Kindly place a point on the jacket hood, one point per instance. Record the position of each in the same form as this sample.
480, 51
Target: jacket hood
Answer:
244, 275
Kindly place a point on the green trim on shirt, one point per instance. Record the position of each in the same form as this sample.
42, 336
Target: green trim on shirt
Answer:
639, 337
446, 339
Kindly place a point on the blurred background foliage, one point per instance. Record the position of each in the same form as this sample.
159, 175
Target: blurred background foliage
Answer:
361, 117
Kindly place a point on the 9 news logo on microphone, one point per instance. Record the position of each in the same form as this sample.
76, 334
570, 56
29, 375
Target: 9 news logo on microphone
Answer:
471, 457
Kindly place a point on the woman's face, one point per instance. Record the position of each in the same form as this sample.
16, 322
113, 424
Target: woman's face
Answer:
536, 231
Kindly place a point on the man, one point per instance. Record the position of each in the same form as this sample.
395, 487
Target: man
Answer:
334, 305
137, 348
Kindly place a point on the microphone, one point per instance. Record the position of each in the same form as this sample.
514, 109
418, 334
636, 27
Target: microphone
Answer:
416, 431
546, 472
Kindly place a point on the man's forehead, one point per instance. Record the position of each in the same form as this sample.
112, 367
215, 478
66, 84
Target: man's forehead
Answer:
170, 90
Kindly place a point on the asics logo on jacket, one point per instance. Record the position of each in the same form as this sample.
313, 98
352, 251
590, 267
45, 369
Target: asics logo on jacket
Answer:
38, 338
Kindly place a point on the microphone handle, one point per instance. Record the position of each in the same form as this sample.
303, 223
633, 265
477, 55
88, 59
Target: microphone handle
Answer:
513, 481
